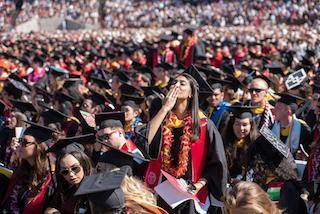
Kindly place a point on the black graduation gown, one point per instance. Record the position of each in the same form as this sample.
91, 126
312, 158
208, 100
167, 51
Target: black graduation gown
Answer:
215, 171
5, 136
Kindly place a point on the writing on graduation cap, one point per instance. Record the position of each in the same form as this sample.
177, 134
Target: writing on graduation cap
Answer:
277, 143
295, 79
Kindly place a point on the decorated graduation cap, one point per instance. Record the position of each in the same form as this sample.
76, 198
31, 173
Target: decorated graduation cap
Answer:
242, 112
70, 144
202, 85
290, 100
39, 132
275, 153
104, 189
110, 119
23, 106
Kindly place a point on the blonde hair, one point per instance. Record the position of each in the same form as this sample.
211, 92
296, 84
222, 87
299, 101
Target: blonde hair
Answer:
248, 197
134, 191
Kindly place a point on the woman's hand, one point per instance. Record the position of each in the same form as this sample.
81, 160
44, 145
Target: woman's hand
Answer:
197, 186
171, 98
14, 145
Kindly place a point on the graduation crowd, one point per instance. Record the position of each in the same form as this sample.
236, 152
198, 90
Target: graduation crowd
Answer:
128, 13
102, 122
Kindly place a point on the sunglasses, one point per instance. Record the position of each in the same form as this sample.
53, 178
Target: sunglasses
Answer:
257, 90
74, 169
25, 143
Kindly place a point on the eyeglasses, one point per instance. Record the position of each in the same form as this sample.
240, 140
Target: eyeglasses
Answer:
74, 169
257, 90
106, 136
25, 143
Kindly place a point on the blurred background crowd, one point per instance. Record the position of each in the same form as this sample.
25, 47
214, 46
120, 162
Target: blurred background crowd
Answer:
166, 13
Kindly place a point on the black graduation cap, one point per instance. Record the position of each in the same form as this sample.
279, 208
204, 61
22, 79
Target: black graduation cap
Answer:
190, 30
166, 66
275, 67
290, 100
150, 90
53, 116
135, 64
119, 157
131, 100
41, 133
102, 83
70, 144
72, 82
23, 106
104, 189
110, 119
62, 97
57, 71
19, 84
242, 112
218, 83
129, 89
203, 86
46, 96
122, 75
228, 68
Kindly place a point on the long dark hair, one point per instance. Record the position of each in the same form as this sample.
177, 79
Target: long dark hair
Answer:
62, 185
229, 136
33, 177
193, 106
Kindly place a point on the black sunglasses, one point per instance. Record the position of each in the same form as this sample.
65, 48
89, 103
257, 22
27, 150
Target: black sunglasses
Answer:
25, 143
74, 169
258, 90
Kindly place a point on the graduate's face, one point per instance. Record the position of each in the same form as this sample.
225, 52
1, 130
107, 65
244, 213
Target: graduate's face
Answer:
28, 147
111, 136
184, 87
258, 91
216, 97
71, 170
241, 127
281, 111
129, 113
87, 106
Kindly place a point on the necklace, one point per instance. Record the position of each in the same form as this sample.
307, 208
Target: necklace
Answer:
183, 155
